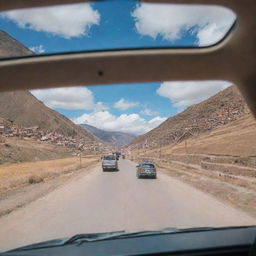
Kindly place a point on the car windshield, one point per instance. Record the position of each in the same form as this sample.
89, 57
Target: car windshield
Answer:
109, 158
147, 166
199, 135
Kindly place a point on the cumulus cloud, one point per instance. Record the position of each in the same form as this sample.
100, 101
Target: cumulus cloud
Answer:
131, 123
99, 106
209, 24
149, 112
68, 98
65, 21
184, 94
38, 49
123, 104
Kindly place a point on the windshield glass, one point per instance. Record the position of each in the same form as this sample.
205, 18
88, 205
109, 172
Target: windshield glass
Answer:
103, 25
148, 166
199, 135
109, 158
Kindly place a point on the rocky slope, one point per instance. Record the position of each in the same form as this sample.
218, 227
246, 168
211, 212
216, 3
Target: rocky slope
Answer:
10, 47
22, 108
220, 109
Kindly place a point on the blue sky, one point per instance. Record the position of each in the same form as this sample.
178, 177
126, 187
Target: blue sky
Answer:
144, 94
134, 108
116, 30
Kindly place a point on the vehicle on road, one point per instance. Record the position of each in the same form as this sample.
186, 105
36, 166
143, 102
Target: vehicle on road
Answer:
109, 163
146, 169
118, 154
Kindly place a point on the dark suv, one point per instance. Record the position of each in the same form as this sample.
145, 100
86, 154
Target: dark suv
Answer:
146, 169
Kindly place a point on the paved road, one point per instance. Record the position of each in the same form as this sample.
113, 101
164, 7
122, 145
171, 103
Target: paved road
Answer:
111, 201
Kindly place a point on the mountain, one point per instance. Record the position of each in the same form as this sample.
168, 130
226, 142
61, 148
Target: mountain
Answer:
114, 138
220, 109
10, 47
22, 108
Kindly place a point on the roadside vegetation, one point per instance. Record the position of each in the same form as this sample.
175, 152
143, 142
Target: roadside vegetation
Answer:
17, 175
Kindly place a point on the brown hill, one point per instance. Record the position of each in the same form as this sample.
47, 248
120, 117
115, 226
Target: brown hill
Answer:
220, 109
23, 109
10, 47
16, 150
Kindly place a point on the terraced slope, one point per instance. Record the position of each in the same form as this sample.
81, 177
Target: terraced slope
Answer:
220, 109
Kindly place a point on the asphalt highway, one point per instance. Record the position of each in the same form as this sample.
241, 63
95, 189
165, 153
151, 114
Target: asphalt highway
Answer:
97, 201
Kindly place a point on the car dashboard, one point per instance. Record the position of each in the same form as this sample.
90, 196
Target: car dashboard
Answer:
221, 241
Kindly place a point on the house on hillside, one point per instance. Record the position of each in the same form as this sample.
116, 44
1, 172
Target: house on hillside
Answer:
1, 129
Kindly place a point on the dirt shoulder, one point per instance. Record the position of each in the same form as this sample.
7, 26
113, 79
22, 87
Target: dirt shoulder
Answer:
28, 181
221, 162
239, 191
225, 188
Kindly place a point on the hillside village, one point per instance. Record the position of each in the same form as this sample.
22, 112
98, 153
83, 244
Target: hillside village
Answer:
23, 117
9, 129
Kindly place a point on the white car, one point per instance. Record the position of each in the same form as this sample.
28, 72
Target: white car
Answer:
109, 163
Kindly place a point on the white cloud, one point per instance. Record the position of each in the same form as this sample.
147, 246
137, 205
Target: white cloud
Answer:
132, 123
149, 112
184, 94
99, 106
65, 21
37, 49
123, 104
208, 23
68, 98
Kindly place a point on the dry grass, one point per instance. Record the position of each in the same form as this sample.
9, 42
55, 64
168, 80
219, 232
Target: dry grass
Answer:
235, 194
22, 150
235, 139
21, 174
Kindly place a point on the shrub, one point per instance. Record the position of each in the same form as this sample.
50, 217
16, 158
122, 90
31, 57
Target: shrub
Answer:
35, 179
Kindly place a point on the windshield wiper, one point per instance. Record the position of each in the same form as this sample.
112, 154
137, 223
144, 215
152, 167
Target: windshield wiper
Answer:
82, 238
93, 237
123, 234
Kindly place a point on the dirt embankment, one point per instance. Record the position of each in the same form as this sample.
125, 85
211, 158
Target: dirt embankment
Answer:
18, 175
14, 150
21, 183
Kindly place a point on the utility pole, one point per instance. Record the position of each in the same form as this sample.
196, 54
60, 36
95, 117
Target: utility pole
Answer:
186, 146
80, 158
160, 150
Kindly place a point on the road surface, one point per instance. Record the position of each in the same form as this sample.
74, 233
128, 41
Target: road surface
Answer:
98, 202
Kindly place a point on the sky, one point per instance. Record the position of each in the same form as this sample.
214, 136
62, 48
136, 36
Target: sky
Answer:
132, 108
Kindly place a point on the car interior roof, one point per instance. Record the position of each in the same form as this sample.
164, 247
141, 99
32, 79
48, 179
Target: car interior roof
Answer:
231, 59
